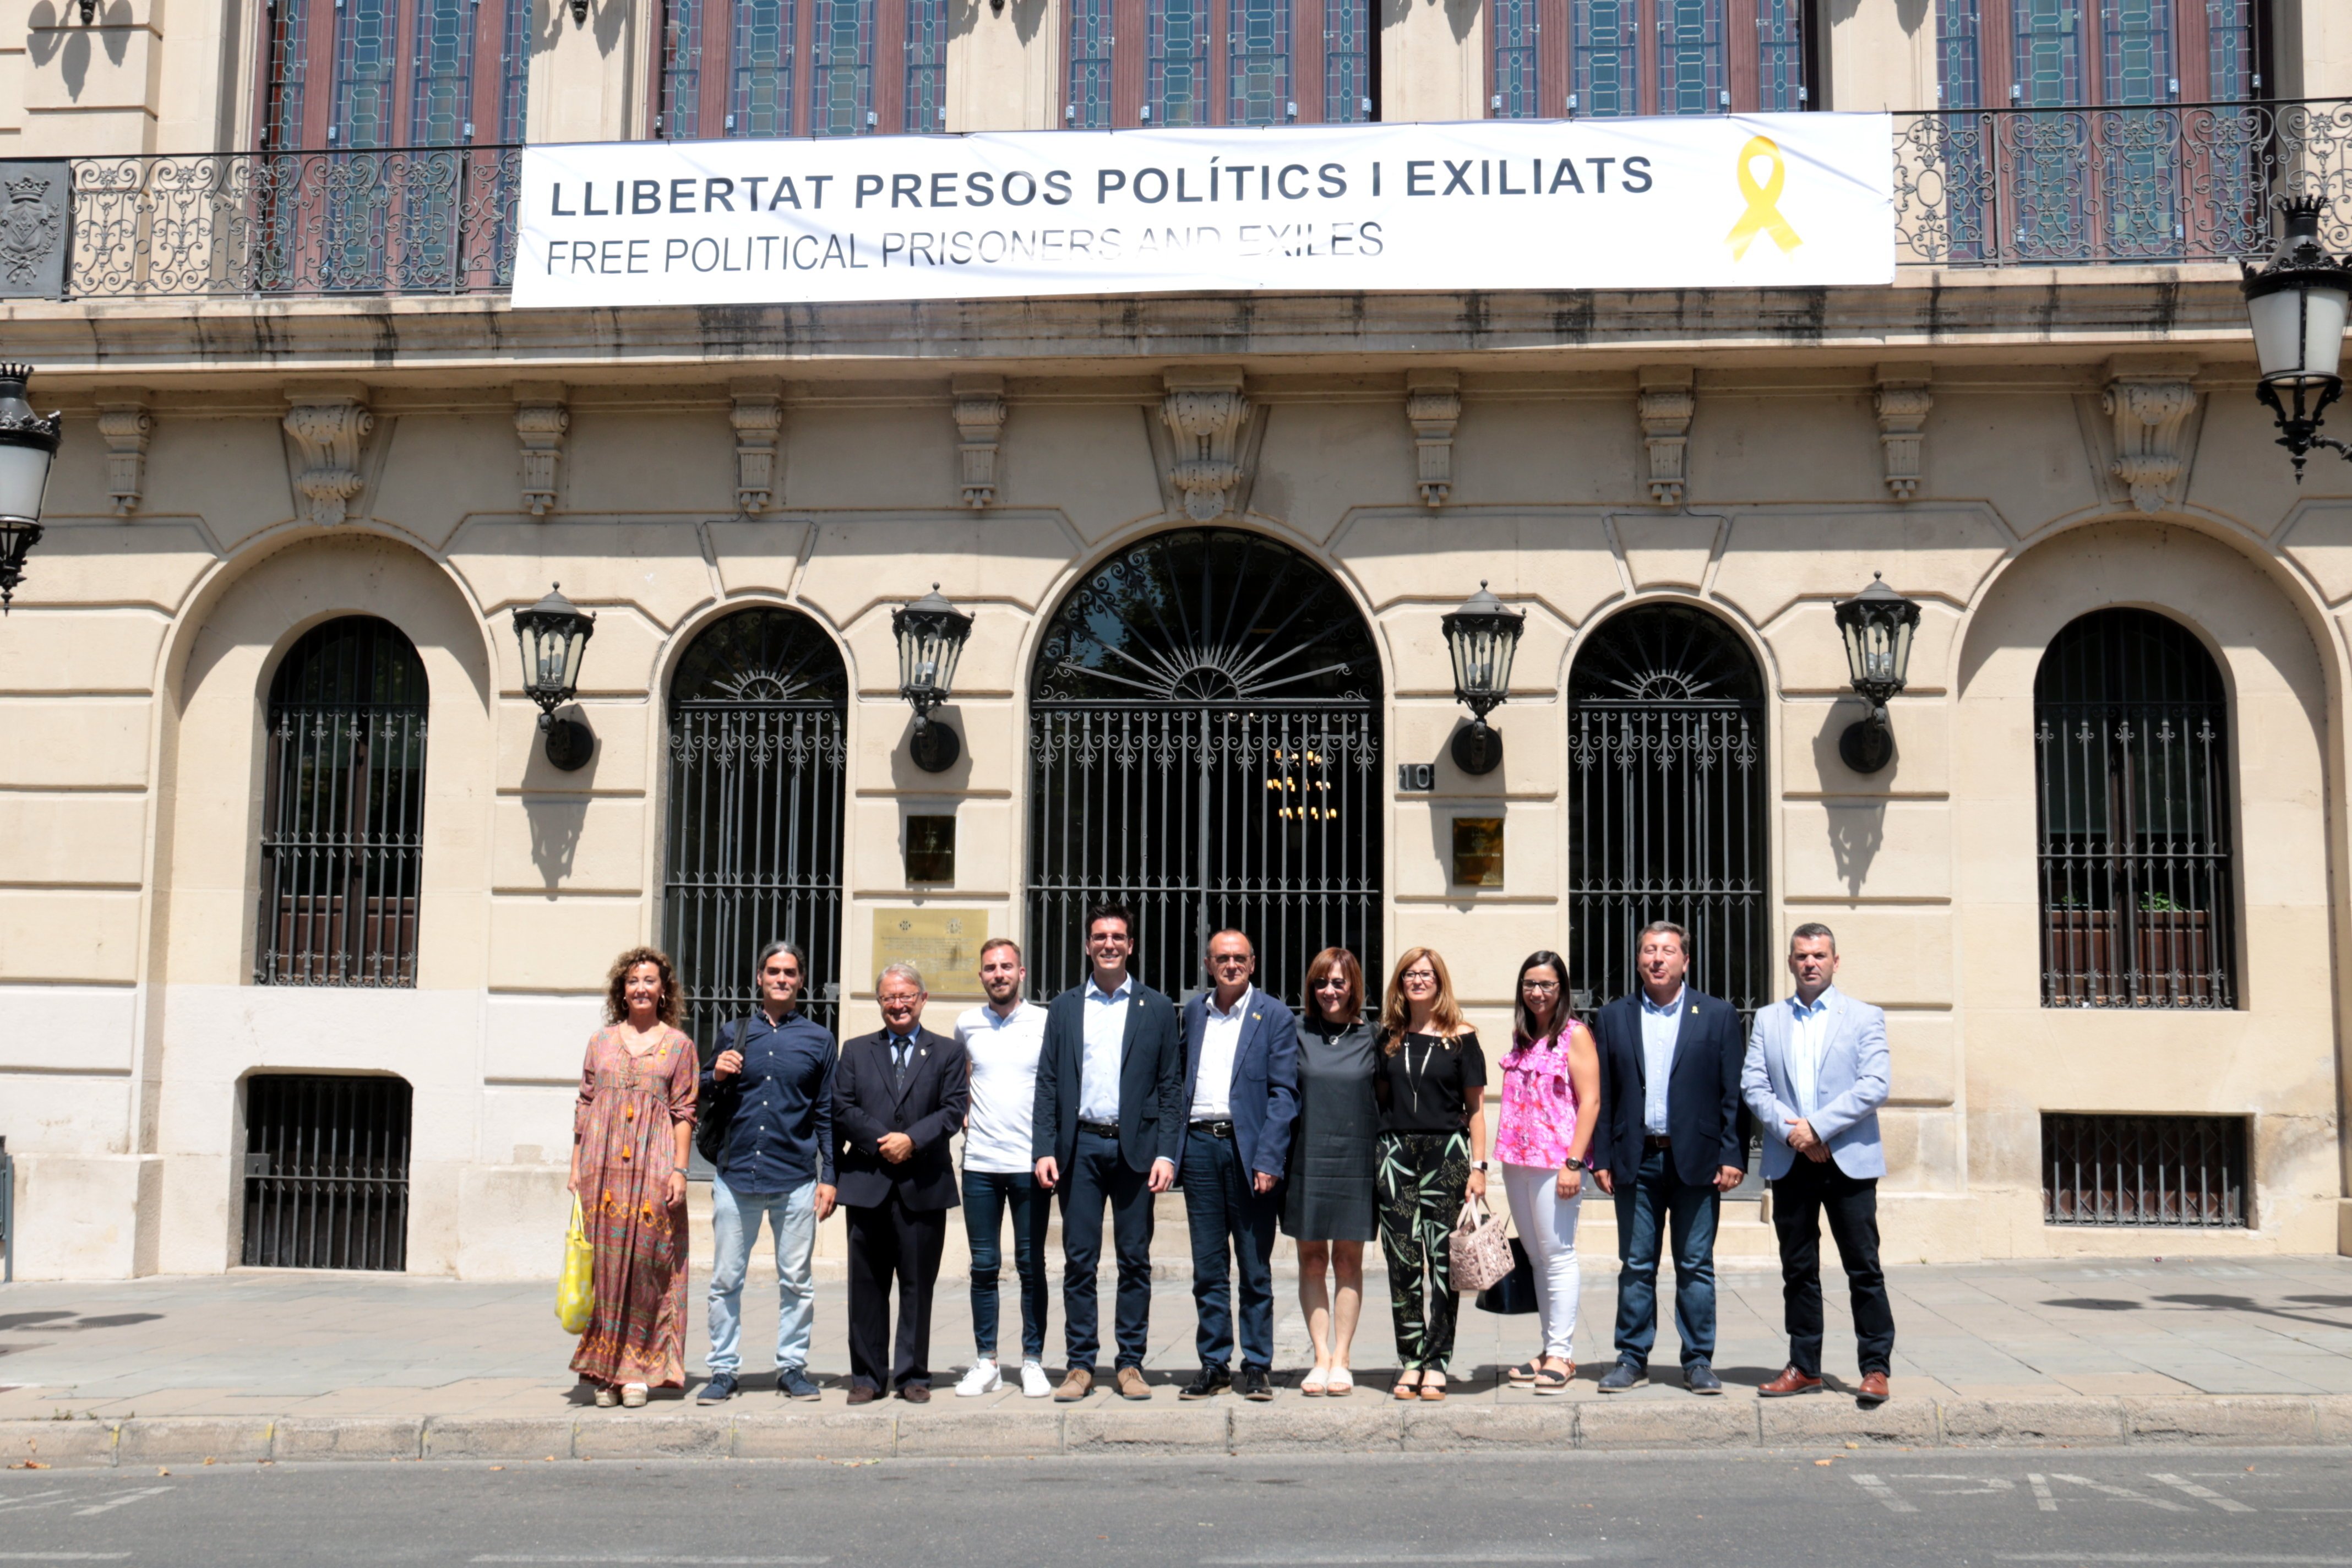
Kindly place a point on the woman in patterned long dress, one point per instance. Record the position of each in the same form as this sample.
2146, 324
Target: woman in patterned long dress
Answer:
630, 1136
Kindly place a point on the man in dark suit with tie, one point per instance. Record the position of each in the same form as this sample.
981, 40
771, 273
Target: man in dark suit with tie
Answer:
1241, 1085
899, 1094
1108, 1126
1667, 1146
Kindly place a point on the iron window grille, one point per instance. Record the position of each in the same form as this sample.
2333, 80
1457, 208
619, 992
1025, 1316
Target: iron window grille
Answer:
343, 809
1205, 746
2131, 777
2177, 1171
326, 1171
756, 774
1667, 805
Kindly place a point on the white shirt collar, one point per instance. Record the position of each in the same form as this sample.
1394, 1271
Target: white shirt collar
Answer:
1125, 985
1820, 1005
1209, 1001
1674, 1006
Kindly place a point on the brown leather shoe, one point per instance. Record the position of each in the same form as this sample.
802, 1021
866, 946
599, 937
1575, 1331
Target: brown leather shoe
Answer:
861, 1394
915, 1393
1131, 1385
1076, 1387
1873, 1391
1791, 1381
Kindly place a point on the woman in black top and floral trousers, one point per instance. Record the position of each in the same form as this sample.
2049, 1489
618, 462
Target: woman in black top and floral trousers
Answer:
1432, 1082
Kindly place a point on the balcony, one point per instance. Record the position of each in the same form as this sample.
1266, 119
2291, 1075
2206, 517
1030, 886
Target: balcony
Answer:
2169, 185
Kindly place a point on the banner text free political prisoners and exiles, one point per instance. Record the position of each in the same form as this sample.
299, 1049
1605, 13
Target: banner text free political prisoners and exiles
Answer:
1729, 201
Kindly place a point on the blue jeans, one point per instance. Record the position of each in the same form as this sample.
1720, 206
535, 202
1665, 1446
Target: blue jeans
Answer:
986, 1195
1223, 1211
734, 1226
1658, 1197
1100, 1177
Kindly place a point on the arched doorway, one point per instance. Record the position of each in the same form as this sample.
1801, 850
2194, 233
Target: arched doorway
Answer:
1205, 745
1666, 804
756, 770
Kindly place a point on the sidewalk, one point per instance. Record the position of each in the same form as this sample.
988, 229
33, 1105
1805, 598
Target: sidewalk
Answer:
258, 1364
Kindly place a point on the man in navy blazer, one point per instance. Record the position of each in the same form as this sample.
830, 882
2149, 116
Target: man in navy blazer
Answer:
1108, 1126
1667, 1148
898, 1095
1240, 1086
1817, 1072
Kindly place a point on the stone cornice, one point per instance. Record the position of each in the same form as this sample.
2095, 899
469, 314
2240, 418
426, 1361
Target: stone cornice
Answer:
2012, 316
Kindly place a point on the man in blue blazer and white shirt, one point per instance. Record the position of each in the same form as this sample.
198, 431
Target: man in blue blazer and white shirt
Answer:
1667, 1146
1815, 1077
1241, 1084
1109, 1126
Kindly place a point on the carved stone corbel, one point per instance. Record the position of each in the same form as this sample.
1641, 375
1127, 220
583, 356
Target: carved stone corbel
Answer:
541, 421
329, 424
126, 425
980, 418
1903, 404
1205, 411
1433, 401
758, 415
2149, 408
1668, 399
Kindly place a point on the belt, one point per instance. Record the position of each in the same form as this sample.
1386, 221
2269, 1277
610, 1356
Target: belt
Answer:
1221, 1128
1103, 1129
1656, 1141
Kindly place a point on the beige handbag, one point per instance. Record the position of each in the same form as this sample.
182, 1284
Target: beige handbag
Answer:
1479, 1249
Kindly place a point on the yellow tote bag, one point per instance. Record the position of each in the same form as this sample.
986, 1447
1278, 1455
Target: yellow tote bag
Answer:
576, 1292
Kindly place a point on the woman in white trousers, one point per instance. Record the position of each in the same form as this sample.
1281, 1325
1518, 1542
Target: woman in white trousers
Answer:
1551, 1093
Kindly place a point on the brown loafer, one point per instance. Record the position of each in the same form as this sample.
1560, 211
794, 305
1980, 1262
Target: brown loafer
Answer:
1791, 1381
1076, 1385
861, 1394
1873, 1391
1131, 1385
915, 1393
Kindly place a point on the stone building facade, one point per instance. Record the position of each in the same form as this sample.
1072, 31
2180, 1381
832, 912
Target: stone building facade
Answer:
2101, 890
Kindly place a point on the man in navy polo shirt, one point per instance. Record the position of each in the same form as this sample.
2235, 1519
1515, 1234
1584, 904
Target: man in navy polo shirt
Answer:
767, 1099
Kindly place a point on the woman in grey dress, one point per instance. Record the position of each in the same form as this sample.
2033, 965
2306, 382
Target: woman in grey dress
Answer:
1327, 1207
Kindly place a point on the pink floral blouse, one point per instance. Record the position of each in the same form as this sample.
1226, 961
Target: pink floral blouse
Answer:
1538, 1123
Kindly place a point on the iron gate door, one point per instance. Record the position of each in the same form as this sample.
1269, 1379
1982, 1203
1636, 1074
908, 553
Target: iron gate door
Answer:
326, 1171
1205, 747
1667, 805
756, 770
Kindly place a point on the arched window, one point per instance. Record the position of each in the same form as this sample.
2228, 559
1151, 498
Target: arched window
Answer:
2131, 766
1610, 58
342, 810
801, 67
756, 768
1219, 62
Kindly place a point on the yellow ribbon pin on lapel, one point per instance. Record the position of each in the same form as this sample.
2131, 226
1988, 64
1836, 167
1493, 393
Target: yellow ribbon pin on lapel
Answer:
1763, 214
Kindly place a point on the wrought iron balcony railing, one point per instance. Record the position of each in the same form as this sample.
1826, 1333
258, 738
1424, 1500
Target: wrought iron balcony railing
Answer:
1977, 188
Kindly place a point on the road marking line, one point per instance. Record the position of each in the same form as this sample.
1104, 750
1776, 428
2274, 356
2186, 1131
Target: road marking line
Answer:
118, 1502
2182, 1483
32, 1500
2042, 1497
617, 1557
2125, 1493
1883, 1493
1983, 1485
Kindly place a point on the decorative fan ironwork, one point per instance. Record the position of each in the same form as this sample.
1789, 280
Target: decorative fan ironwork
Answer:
1207, 615
761, 655
1664, 653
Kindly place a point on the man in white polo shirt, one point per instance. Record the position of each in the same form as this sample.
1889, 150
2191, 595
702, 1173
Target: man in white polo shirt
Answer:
1005, 1038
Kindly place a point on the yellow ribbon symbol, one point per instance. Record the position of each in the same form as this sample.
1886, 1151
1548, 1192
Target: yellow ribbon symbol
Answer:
1763, 214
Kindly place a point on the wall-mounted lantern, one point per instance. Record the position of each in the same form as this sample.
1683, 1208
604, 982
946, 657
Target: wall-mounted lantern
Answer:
932, 633
553, 633
2297, 304
28, 445
1877, 624
1483, 636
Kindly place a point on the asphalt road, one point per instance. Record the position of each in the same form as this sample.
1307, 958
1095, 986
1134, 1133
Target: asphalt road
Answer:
2003, 1509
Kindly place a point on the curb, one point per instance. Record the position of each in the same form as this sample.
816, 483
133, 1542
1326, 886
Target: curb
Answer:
1227, 1427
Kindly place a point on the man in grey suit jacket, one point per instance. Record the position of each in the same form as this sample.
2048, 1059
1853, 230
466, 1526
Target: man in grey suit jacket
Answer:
1815, 1077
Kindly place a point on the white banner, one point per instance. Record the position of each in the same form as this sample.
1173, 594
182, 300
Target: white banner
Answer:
1702, 202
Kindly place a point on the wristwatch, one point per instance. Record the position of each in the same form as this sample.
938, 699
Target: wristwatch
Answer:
1480, 1165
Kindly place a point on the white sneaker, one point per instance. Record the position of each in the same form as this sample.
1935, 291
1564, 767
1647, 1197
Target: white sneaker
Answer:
983, 1378
1034, 1384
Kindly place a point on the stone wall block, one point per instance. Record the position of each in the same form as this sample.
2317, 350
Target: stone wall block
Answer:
498, 1437
1665, 1424
1355, 1425
1107, 1424
640, 1434
817, 1435
1007, 1433
192, 1439
1463, 1425
2033, 1421
2205, 1418
64, 1444
1833, 1418
349, 1438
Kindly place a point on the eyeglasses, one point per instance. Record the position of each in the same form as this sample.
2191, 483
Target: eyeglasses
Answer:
1540, 987
1418, 974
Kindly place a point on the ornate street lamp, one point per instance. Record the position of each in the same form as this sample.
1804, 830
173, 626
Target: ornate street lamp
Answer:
28, 443
1877, 624
2297, 305
553, 633
932, 633
1482, 636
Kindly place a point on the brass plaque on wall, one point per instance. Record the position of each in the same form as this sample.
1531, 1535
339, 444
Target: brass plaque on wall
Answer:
943, 945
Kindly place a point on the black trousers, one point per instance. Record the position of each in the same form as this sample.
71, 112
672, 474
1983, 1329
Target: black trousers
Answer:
892, 1243
1099, 1178
1798, 1200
